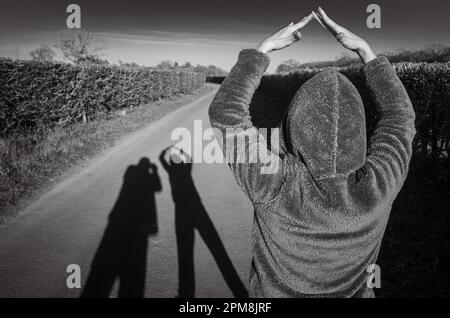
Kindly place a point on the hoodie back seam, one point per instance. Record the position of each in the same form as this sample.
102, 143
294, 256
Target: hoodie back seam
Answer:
336, 128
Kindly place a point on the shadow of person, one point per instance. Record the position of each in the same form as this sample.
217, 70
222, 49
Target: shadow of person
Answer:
190, 214
122, 253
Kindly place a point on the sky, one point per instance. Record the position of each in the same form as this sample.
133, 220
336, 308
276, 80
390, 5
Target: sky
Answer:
213, 32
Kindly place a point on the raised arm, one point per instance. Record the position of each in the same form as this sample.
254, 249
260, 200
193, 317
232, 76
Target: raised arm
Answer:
230, 106
257, 170
390, 147
347, 38
229, 114
162, 159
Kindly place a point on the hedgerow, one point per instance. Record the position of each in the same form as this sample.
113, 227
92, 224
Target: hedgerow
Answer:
45, 95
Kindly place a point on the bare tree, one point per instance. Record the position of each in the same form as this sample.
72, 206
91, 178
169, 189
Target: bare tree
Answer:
187, 65
42, 54
437, 52
165, 65
79, 45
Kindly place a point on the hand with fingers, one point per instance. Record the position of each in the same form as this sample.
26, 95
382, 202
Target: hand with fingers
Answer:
284, 37
348, 39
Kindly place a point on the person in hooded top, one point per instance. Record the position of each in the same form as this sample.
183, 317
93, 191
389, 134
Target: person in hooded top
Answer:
319, 218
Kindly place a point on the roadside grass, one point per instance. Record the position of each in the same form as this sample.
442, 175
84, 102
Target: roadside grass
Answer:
30, 162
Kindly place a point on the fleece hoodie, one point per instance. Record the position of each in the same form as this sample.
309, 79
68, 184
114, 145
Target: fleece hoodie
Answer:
320, 217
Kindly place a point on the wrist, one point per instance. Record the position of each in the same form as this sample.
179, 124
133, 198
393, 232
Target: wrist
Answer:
366, 53
264, 48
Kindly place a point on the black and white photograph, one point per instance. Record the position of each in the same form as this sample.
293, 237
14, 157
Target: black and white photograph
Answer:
250, 151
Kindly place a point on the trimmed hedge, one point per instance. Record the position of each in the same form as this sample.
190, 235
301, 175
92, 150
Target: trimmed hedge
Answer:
215, 79
41, 95
427, 84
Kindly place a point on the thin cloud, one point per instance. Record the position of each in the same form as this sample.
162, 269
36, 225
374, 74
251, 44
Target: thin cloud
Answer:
173, 38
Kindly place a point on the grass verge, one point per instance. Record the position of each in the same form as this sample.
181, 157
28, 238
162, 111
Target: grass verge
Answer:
31, 162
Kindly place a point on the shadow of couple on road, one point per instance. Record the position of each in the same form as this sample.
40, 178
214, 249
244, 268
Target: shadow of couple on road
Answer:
122, 253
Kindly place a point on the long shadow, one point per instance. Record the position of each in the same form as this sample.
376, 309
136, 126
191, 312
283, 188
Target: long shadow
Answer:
122, 253
190, 215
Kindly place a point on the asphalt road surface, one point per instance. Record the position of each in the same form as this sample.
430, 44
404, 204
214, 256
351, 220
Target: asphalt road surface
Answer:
93, 215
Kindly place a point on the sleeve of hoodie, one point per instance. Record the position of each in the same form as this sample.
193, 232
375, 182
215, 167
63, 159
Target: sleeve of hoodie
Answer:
390, 147
259, 172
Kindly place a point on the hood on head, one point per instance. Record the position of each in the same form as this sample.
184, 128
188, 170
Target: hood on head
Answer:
325, 126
